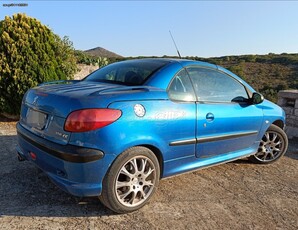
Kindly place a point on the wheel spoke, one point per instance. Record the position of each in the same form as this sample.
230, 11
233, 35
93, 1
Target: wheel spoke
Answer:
143, 193
259, 153
148, 173
121, 184
144, 162
135, 165
148, 183
278, 143
126, 173
265, 156
276, 149
124, 195
261, 150
262, 143
267, 136
272, 155
274, 137
133, 198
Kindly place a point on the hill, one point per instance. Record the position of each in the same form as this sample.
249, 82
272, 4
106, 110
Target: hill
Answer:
101, 52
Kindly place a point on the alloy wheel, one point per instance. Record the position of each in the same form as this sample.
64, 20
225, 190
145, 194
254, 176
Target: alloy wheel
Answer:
271, 147
135, 181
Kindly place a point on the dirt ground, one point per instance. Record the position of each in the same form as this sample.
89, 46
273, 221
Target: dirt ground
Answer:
237, 195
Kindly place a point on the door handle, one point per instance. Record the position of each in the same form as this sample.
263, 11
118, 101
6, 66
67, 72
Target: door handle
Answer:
209, 117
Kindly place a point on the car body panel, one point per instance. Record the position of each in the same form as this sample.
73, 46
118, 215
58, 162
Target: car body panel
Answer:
226, 127
191, 163
163, 123
180, 133
80, 179
60, 100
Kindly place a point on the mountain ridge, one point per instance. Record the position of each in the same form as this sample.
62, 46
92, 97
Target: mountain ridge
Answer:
101, 52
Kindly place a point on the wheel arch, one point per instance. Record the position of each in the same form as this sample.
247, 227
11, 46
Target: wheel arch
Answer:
158, 155
279, 123
156, 151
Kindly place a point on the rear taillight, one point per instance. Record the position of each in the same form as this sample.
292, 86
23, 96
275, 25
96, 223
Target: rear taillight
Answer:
90, 119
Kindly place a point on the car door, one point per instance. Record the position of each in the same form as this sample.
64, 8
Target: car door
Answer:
182, 111
226, 120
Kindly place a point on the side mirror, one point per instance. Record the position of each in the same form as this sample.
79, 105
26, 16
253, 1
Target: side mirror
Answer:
257, 98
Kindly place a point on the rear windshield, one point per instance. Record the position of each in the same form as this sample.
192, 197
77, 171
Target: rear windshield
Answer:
133, 72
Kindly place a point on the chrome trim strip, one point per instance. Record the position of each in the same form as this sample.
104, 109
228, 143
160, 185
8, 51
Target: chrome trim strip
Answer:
225, 137
183, 142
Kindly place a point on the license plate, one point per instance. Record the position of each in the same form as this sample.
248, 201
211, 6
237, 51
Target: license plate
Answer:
36, 119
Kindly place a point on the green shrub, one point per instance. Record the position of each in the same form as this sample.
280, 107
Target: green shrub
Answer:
84, 58
238, 70
30, 53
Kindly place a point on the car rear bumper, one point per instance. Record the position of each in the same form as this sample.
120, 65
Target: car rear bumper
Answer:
76, 170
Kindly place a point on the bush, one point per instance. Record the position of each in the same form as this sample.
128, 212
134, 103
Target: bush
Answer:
86, 59
238, 70
30, 53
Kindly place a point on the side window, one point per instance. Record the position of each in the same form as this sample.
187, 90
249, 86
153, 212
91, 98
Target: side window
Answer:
180, 88
214, 86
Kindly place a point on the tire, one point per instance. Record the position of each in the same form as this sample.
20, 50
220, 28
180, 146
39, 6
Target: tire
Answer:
131, 180
273, 146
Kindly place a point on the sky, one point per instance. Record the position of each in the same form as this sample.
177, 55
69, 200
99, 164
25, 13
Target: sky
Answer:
141, 28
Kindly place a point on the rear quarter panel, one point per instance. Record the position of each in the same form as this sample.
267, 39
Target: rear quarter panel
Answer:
164, 121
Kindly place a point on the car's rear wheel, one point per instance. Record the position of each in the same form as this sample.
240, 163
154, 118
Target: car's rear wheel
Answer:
131, 180
272, 147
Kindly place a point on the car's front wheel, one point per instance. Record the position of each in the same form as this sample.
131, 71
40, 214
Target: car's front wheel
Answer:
273, 146
131, 180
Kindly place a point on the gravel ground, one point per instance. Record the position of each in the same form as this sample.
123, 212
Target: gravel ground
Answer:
237, 195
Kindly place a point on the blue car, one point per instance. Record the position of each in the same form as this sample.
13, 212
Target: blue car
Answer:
117, 132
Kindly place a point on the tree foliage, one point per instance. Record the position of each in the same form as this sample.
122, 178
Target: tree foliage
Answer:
84, 58
30, 53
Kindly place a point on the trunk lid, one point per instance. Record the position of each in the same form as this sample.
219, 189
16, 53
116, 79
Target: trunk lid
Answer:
46, 107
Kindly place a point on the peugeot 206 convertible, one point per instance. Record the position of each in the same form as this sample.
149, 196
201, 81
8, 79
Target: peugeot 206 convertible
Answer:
117, 132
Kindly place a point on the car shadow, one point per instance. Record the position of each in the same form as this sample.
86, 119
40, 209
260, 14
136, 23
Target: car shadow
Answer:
26, 191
